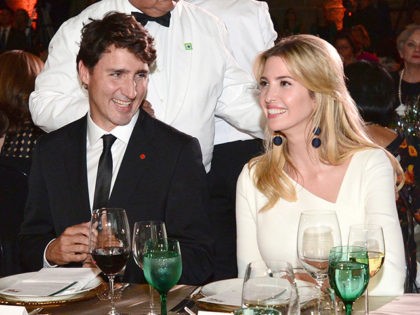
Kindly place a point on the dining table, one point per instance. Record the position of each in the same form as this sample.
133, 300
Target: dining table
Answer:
135, 300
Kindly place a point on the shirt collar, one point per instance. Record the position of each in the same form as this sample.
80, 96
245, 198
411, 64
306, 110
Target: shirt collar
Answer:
122, 133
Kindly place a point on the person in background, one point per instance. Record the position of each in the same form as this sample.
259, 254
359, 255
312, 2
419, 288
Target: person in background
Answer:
372, 88
349, 50
10, 37
250, 31
157, 171
196, 78
23, 23
345, 47
324, 27
316, 150
408, 78
291, 23
18, 136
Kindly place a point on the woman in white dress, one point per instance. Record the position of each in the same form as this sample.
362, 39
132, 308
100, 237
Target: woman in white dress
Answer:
317, 157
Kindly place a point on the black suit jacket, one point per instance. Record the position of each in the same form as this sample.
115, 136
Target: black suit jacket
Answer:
15, 40
161, 178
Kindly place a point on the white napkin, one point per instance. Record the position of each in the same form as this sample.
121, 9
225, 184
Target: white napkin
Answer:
12, 310
407, 304
53, 282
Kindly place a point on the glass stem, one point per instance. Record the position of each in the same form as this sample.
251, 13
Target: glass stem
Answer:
163, 304
367, 301
349, 307
320, 279
151, 301
111, 288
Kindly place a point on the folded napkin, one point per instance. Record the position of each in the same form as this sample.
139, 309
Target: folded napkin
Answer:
52, 282
407, 304
13, 310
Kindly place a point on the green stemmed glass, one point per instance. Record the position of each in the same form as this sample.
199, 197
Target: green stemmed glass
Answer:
348, 270
162, 266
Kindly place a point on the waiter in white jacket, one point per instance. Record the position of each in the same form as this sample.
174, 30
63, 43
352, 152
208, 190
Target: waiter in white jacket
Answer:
250, 31
196, 77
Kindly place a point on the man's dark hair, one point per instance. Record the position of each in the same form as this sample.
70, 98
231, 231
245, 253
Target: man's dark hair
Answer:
115, 29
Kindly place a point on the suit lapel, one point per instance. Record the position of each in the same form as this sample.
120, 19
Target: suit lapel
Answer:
137, 158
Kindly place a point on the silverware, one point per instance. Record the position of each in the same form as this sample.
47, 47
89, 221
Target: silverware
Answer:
186, 303
36, 311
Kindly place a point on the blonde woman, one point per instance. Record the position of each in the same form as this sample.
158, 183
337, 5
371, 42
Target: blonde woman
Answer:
317, 156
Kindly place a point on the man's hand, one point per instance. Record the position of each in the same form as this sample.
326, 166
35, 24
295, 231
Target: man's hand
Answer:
71, 246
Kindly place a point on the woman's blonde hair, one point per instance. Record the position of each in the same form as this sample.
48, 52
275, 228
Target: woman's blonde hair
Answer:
316, 65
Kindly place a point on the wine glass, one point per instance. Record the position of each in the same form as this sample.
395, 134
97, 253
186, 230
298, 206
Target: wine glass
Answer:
109, 244
270, 284
144, 231
370, 236
162, 266
348, 273
318, 232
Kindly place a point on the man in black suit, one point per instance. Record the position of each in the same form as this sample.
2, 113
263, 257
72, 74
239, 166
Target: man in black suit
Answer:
157, 170
10, 37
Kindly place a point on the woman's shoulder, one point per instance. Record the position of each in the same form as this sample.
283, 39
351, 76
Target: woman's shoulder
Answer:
370, 156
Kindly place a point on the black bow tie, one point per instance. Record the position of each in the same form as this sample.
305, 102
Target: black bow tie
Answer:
143, 18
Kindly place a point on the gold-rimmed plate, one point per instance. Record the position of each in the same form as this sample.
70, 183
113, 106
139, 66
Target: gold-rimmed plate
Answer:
87, 292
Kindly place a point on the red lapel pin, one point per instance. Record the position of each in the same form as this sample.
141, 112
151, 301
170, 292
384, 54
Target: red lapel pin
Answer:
142, 156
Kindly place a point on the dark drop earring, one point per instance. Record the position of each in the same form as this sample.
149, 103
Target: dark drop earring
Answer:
316, 142
277, 140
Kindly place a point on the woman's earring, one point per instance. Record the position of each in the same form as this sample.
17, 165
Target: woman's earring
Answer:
316, 142
277, 140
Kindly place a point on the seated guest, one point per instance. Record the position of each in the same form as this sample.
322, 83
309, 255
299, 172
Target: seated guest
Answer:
18, 134
351, 50
157, 171
372, 88
317, 157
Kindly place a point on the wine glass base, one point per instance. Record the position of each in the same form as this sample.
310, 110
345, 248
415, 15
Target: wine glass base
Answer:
104, 293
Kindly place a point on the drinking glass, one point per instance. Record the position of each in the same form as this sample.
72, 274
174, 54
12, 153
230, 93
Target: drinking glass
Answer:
270, 284
318, 232
109, 244
162, 266
348, 273
371, 237
144, 231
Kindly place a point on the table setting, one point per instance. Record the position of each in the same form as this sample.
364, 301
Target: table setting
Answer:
333, 278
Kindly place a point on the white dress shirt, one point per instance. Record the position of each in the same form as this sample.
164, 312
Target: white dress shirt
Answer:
94, 147
366, 195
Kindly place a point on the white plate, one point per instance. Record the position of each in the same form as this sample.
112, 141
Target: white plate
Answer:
307, 290
234, 285
8, 281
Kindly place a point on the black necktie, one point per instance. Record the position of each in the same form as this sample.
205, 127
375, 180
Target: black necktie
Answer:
143, 18
104, 176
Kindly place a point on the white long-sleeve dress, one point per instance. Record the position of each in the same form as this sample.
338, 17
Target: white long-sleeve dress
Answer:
366, 195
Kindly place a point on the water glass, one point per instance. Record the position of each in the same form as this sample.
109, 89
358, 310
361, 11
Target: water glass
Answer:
270, 284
